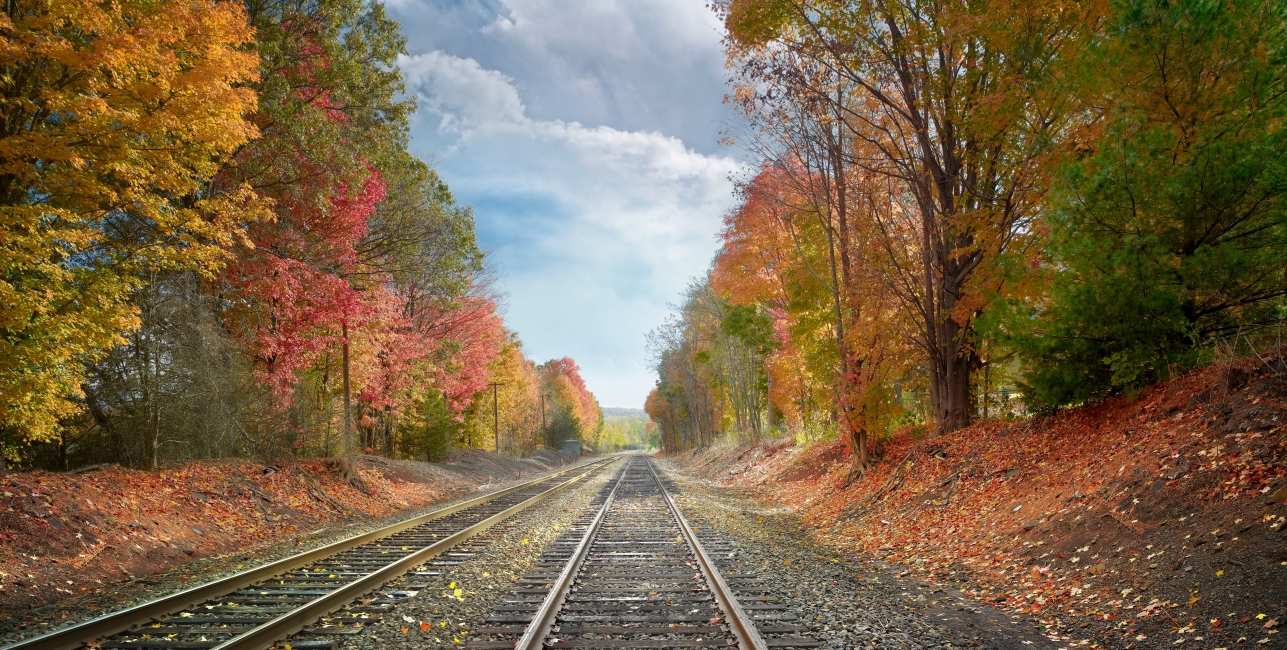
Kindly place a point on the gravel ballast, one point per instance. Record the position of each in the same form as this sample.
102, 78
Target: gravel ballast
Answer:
439, 618
109, 597
847, 600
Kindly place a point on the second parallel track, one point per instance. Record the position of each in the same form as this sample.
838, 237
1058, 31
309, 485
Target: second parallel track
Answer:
257, 608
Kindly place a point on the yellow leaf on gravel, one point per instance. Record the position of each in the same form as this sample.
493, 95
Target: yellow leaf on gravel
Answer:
458, 593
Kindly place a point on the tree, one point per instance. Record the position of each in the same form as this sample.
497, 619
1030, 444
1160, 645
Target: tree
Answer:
950, 104
574, 412
333, 120
1169, 218
115, 116
231, 228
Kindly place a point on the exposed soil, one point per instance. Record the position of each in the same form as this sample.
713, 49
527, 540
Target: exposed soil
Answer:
1147, 522
105, 530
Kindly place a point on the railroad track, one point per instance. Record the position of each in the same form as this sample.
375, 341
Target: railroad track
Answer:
632, 573
323, 594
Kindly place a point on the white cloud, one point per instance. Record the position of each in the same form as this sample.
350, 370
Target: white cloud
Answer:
595, 228
636, 65
461, 91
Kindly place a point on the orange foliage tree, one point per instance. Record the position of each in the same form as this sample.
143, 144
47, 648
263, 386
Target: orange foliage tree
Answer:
919, 133
573, 412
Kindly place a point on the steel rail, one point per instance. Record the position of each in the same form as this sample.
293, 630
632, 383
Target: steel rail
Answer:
78, 635
293, 621
534, 636
748, 638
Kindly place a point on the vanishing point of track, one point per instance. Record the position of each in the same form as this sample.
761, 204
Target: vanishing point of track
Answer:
255, 609
634, 574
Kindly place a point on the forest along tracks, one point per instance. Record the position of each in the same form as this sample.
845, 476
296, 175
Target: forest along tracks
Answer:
631, 573
318, 596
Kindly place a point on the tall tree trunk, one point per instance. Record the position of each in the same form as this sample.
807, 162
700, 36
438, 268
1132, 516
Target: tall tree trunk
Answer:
388, 433
859, 458
768, 401
954, 367
348, 395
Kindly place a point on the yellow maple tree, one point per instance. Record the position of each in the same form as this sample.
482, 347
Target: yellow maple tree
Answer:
116, 115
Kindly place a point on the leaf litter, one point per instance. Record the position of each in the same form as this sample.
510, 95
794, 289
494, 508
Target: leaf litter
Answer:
1129, 523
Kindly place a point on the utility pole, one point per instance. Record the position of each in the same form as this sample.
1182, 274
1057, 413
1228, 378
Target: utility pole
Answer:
496, 414
542, 417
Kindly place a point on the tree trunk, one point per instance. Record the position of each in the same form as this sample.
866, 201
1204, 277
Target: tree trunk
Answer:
987, 372
952, 406
768, 402
348, 396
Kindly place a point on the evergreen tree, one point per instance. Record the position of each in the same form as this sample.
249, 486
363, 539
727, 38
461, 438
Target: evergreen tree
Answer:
1169, 220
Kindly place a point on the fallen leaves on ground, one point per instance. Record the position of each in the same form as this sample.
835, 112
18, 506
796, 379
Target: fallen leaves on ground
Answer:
1104, 513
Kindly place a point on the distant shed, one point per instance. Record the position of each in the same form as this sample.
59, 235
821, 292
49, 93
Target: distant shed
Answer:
571, 448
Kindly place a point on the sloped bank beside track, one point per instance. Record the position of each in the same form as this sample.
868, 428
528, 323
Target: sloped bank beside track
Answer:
843, 598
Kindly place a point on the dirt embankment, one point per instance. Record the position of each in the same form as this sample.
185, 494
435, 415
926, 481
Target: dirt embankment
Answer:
1147, 522
64, 534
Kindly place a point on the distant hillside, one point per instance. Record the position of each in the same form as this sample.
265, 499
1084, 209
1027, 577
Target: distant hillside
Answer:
620, 412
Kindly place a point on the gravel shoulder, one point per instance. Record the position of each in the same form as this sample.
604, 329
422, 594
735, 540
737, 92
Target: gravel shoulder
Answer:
848, 600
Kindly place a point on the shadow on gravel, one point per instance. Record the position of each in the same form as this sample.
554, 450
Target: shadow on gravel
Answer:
848, 600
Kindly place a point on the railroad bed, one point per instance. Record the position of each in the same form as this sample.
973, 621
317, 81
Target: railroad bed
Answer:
315, 598
631, 573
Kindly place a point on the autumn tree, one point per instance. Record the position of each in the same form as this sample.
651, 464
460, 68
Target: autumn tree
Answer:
115, 117
572, 410
309, 262
949, 104
840, 338
710, 356
330, 114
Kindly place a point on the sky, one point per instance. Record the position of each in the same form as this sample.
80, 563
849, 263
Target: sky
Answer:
584, 133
